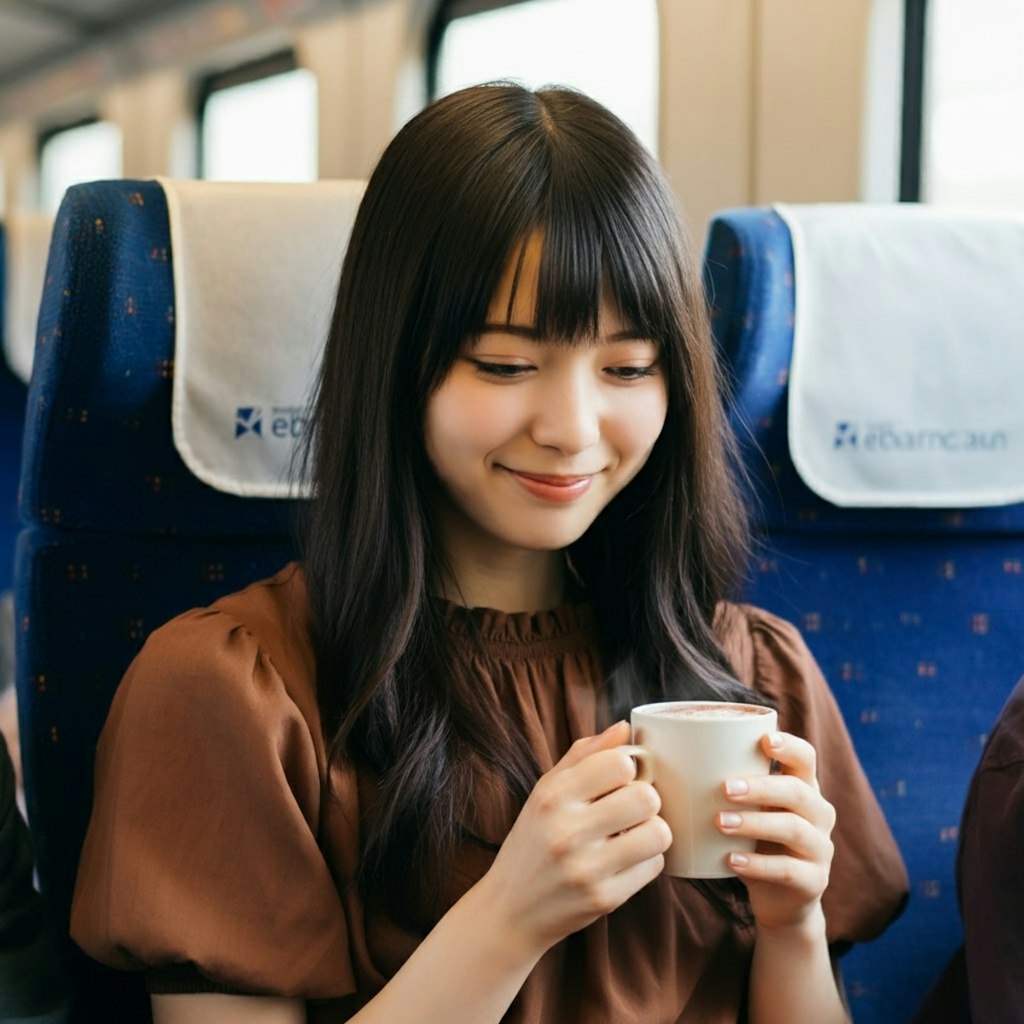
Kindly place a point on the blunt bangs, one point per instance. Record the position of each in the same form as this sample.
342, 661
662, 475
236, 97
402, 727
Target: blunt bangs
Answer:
555, 162
608, 222
584, 260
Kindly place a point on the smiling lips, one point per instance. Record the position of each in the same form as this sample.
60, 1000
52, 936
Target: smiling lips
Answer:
557, 489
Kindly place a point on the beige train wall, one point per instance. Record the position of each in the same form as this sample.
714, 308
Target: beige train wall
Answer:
761, 100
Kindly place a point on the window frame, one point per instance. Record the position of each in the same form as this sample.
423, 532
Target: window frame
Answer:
50, 131
446, 12
915, 19
277, 63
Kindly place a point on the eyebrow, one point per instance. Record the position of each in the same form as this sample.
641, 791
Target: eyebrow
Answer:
523, 331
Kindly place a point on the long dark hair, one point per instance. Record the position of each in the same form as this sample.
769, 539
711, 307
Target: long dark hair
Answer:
460, 186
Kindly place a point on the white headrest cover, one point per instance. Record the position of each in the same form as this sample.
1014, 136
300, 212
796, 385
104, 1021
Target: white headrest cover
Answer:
256, 270
908, 355
28, 246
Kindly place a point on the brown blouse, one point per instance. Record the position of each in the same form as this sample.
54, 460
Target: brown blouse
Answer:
213, 853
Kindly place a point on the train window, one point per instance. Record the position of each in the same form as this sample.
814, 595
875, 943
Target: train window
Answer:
258, 122
606, 48
85, 151
973, 152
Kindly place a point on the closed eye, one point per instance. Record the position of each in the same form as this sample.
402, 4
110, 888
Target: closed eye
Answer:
505, 371
632, 372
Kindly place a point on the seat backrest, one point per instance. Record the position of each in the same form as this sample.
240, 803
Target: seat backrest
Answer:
13, 390
119, 535
23, 242
915, 615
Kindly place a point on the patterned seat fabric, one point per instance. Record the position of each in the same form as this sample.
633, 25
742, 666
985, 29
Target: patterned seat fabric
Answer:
119, 536
916, 616
12, 417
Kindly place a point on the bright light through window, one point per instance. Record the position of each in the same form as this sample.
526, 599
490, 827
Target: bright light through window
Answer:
974, 107
605, 48
90, 152
264, 130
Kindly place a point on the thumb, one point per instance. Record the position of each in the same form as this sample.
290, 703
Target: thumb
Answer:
614, 736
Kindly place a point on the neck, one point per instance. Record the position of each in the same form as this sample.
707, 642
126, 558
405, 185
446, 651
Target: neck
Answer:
508, 588
486, 574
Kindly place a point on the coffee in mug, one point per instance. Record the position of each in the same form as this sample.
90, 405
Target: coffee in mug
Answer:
687, 749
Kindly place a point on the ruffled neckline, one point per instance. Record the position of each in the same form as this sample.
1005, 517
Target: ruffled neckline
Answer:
568, 626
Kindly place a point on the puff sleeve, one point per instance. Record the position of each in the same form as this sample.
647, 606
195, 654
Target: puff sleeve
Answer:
868, 884
202, 848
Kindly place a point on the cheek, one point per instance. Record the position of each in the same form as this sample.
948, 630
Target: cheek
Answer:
638, 428
440, 426
465, 423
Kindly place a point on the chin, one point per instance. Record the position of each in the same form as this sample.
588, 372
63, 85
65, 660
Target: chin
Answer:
548, 539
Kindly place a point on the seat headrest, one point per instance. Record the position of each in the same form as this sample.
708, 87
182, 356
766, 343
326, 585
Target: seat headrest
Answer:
99, 450
27, 245
903, 386
255, 274
752, 285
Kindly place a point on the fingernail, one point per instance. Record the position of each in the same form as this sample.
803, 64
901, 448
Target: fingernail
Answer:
775, 740
736, 787
729, 819
739, 860
614, 725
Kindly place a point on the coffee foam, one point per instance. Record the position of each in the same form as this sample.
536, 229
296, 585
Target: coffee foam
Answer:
709, 710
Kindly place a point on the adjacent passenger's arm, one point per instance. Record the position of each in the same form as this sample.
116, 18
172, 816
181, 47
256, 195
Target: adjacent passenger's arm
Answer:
587, 839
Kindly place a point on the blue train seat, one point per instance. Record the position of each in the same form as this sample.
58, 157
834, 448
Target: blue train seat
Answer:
916, 615
23, 241
119, 535
13, 392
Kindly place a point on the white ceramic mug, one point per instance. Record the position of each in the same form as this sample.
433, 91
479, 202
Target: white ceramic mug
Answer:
686, 750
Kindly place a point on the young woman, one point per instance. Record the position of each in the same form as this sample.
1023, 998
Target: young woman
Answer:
387, 784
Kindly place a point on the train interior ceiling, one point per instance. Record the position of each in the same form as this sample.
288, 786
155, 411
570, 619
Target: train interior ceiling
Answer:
751, 101
746, 104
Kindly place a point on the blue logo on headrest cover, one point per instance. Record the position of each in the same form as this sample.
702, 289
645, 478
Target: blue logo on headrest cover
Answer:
893, 438
248, 420
284, 422
846, 434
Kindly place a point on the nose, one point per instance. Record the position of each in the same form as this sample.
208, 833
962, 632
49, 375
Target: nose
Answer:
568, 415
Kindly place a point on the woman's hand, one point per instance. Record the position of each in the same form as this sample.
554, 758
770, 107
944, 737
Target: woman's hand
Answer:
587, 839
792, 823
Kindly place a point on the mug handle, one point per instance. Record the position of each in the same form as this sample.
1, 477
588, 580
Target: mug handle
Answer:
644, 761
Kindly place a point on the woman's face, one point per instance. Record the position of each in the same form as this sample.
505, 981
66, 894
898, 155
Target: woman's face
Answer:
531, 440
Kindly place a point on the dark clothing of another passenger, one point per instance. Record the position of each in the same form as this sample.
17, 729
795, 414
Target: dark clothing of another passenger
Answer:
991, 872
984, 982
31, 985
